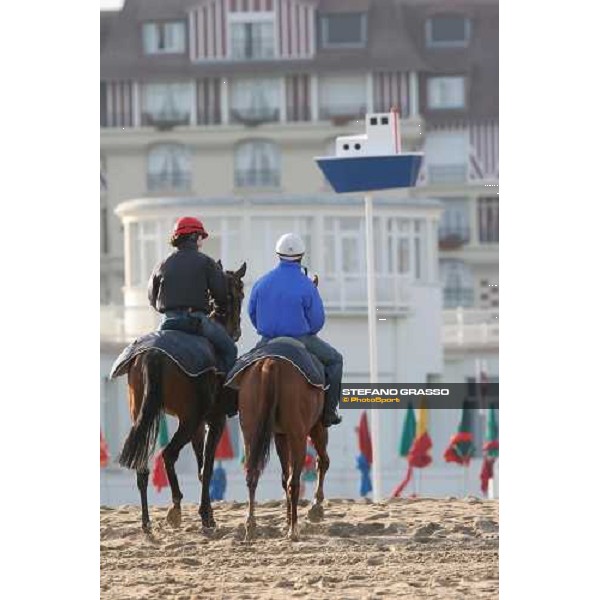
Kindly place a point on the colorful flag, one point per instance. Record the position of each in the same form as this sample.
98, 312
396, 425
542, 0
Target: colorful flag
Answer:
418, 455
491, 450
159, 472
409, 431
364, 438
461, 447
224, 450
364, 459
218, 483
104, 455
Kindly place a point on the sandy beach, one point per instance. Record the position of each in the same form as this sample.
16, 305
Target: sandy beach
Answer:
406, 548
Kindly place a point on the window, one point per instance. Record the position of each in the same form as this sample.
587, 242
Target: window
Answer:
344, 247
446, 156
167, 103
257, 164
252, 41
343, 30
454, 227
445, 92
164, 38
448, 31
145, 245
342, 96
265, 233
457, 281
255, 100
488, 217
169, 168
404, 251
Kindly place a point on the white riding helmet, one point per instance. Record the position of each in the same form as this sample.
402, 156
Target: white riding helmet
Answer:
290, 247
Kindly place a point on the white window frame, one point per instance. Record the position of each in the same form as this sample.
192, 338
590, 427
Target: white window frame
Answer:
251, 18
435, 96
156, 25
183, 152
431, 43
324, 31
275, 167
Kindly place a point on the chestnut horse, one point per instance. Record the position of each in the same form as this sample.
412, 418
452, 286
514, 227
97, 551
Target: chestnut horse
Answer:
156, 385
275, 399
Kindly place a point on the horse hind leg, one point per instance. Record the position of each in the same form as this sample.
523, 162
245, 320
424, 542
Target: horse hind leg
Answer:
319, 436
170, 455
215, 430
297, 454
142, 484
282, 452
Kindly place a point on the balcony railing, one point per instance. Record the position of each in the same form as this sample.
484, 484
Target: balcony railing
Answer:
447, 173
452, 237
257, 178
455, 297
340, 114
177, 181
166, 119
253, 49
254, 116
348, 292
471, 327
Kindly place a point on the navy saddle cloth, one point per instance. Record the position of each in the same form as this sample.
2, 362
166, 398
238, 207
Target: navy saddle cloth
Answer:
192, 353
285, 348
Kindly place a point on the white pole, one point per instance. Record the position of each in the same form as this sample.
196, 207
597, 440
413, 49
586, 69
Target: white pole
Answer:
372, 323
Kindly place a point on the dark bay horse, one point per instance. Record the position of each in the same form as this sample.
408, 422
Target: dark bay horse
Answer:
156, 385
275, 399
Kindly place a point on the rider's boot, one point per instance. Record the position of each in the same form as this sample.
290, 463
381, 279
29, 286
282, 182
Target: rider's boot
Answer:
330, 414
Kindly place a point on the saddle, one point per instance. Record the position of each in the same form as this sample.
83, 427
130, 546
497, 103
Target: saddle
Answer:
286, 348
193, 354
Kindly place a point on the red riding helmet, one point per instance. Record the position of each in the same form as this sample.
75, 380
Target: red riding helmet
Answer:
186, 225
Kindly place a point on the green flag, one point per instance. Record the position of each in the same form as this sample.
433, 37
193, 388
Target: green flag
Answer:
491, 445
409, 431
163, 432
461, 446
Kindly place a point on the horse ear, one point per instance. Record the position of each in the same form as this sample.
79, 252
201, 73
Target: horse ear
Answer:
241, 271
316, 280
220, 264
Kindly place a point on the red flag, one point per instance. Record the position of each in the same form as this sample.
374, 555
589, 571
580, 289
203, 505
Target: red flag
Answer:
104, 455
159, 473
224, 449
364, 438
418, 455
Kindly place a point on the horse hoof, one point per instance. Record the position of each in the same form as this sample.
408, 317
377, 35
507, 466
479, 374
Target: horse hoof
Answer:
250, 531
316, 513
293, 534
174, 517
146, 528
209, 523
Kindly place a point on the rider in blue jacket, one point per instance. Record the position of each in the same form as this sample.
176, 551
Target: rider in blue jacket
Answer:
285, 302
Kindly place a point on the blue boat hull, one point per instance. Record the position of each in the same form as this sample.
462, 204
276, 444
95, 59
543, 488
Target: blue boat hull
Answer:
366, 173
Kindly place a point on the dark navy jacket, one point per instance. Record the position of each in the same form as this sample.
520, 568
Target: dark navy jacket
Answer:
183, 281
286, 302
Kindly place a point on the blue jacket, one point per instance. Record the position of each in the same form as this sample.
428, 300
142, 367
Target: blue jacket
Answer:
286, 302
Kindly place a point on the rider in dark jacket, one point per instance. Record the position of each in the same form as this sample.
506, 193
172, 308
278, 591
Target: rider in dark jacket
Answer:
179, 286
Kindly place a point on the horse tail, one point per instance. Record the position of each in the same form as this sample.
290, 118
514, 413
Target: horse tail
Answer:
140, 442
260, 445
